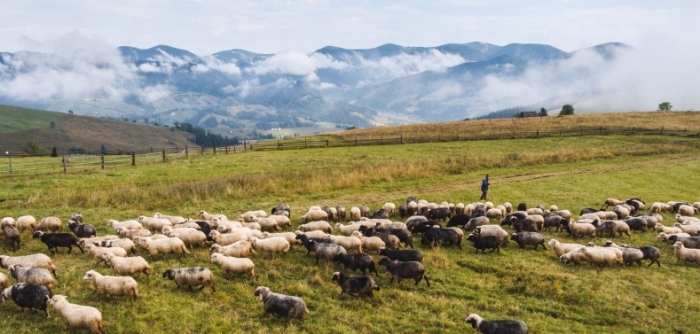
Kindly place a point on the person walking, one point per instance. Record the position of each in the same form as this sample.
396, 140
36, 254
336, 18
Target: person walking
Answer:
484, 187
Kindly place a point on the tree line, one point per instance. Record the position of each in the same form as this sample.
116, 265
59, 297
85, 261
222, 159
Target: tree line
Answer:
204, 137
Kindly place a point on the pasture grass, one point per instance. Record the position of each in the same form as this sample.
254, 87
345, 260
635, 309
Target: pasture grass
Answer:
531, 285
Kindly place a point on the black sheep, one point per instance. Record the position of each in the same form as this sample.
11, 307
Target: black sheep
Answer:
404, 270
310, 246
458, 220
555, 221
652, 253
361, 285
55, 240
522, 207
438, 213
404, 211
424, 226
402, 254
497, 326
637, 224
362, 261
82, 230
526, 224
507, 220
432, 237
479, 210
380, 214
33, 296
528, 238
587, 210
205, 228
483, 243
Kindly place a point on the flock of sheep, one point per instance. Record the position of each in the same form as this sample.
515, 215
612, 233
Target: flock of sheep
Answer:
232, 241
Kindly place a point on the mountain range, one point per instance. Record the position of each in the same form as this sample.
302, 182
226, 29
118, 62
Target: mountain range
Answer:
332, 86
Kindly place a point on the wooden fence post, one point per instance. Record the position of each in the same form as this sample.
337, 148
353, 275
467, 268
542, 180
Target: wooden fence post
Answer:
684, 130
133, 158
402, 138
327, 144
305, 146
65, 165
151, 149
226, 149
234, 148
202, 152
102, 161
10, 157
187, 153
164, 158
662, 130
355, 141
278, 144
214, 150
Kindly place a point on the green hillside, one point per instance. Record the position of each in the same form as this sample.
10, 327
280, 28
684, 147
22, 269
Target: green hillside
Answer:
67, 131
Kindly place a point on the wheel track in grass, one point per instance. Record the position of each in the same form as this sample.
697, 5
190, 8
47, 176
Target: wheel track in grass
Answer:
446, 188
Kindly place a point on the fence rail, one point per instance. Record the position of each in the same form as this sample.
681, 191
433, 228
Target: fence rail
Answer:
18, 165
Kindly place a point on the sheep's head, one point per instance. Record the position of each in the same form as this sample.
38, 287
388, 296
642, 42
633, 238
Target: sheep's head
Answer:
336, 276
553, 242
169, 273
678, 245
474, 320
55, 299
90, 275
384, 261
216, 257
261, 292
37, 234
6, 294
215, 248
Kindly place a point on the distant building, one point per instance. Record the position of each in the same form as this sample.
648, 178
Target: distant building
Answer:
524, 114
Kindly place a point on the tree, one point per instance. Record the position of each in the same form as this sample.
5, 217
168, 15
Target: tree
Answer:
53, 124
566, 109
665, 106
54, 152
33, 148
543, 112
103, 149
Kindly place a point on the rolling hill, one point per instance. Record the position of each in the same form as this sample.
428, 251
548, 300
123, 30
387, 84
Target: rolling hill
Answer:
67, 131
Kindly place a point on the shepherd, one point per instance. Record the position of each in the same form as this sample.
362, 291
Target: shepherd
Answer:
484, 187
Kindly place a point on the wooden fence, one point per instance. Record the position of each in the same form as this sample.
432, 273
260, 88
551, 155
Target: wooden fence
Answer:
21, 166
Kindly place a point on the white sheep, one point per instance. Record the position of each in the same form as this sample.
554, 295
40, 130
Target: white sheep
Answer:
31, 275
209, 216
658, 207
251, 215
85, 241
226, 238
573, 256
154, 224
355, 213
97, 251
666, 229
313, 234
112, 285
315, 215
629, 255
369, 243
320, 225
686, 254
163, 246
534, 211
26, 222
686, 210
494, 213
390, 208
494, 230
666, 236
37, 260
234, 265
691, 229
7, 221
125, 243
4, 282
173, 219
271, 245
267, 224
50, 224
128, 224
350, 243
241, 248
612, 202
687, 220
132, 266
77, 316
582, 229
290, 236
190, 237
601, 256
194, 276
282, 221
562, 248
131, 234
347, 230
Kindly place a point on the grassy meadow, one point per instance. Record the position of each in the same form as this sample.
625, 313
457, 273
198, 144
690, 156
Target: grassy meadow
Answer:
572, 172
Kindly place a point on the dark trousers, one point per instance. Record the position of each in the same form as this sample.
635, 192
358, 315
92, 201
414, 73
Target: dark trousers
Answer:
483, 194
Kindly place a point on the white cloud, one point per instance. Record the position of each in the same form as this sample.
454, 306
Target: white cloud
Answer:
296, 63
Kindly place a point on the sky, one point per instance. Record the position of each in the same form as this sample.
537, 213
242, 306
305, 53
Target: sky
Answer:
274, 26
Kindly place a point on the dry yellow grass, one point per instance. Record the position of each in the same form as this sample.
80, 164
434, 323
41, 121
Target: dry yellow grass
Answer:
646, 120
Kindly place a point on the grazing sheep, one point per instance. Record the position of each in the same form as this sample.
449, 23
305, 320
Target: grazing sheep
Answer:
12, 235
687, 241
315, 215
495, 214
404, 270
496, 326
362, 261
31, 275
612, 202
573, 256
128, 224
621, 212
55, 240
637, 224
658, 207
582, 229
271, 246
194, 276
686, 210
7, 221
667, 230
291, 237
687, 220
534, 211
369, 243
438, 236
112, 285
350, 243
482, 243
413, 221
600, 256
476, 222
317, 225
87, 241
438, 214
125, 244
390, 240
667, 237
526, 224
77, 316
347, 230
555, 221
306, 241
424, 226
5, 282
173, 219
241, 248
616, 227
360, 285
290, 307
629, 254
97, 251
226, 238
459, 220
162, 246
234, 265
154, 224
50, 224
190, 237
132, 234
131, 266
561, 248
364, 211
33, 296
26, 223
326, 250
209, 216
82, 230
686, 254
690, 229
528, 238
355, 213
495, 230
34, 260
